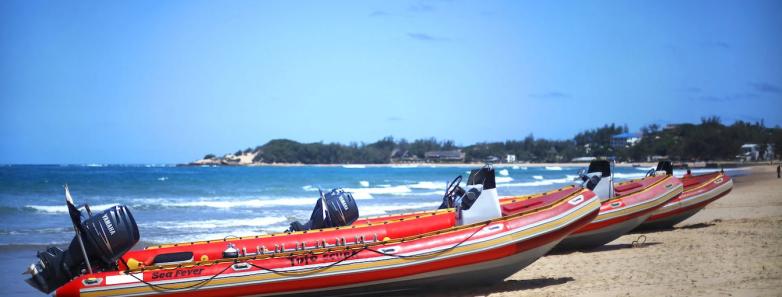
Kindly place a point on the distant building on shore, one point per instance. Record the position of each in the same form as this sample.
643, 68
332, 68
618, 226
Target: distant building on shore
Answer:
449, 156
755, 152
400, 156
625, 140
510, 158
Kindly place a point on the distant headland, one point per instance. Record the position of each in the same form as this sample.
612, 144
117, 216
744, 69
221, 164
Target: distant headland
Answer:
707, 141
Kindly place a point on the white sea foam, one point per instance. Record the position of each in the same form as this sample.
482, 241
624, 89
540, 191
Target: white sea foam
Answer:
538, 183
538, 177
503, 179
64, 209
309, 188
504, 172
620, 175
429, 193
571, 177
730, 171
644, 168
364, 183
162, 178
515, 167
373, 210
251, 203
354, 166
404, 166
557, 168
428, 185
211, 224
366, 193
212, 235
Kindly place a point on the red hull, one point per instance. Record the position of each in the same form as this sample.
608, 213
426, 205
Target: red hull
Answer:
634, 203
530, 231
699, 191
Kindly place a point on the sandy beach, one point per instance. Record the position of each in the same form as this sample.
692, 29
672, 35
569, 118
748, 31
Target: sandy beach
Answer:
731, 248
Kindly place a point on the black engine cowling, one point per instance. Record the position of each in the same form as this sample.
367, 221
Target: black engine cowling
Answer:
335, 209
106, 235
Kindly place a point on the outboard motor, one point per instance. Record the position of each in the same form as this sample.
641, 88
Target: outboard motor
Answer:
100, 240
334, 209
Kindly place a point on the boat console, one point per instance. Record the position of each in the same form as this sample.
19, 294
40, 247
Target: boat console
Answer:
470, 209
598, 179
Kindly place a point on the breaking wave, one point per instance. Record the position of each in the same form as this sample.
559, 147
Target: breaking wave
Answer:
503, 179
251, 203
404, 166
428, 185
373, 210
620, 175
211, 224
55, 209
366, 193
354, 166
537, 183
170, 203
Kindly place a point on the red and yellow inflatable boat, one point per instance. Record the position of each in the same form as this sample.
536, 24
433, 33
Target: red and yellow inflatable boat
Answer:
479, 243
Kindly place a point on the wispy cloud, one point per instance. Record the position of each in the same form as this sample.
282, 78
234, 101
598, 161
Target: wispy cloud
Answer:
421, 7
726, 98
550, 95
718, 44
379, 13
394, 119
765, 87
425, 37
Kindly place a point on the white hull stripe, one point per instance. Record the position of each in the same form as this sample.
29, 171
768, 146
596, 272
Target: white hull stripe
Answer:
697, 198
662, 198
369, 260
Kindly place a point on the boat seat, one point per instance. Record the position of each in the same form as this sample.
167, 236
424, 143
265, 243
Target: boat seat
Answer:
688, 182
627, 187
515, 207
509, 206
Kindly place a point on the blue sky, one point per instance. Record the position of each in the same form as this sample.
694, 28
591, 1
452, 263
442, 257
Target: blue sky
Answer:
168, 81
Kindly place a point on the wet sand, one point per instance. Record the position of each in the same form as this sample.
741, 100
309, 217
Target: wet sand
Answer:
731, 248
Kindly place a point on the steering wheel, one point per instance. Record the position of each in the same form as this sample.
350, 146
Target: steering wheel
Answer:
651, 172
451, 189
582, 175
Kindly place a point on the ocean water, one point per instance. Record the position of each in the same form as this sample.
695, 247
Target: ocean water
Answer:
174, 204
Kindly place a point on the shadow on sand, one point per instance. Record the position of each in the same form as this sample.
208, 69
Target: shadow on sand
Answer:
697, 226
606, 248
664, 229
505, 286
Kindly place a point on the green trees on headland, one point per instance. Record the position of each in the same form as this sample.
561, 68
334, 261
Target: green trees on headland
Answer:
708, 140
